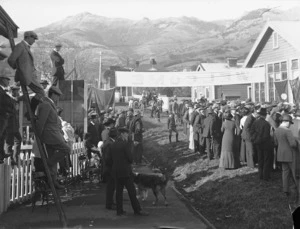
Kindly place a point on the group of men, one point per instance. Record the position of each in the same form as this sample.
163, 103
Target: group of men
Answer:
122, 136
43, 104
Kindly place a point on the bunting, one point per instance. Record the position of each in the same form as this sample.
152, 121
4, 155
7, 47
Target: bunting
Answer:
295, 85
282, 90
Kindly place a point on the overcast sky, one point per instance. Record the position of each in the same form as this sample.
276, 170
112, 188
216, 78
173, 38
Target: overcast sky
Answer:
31, 14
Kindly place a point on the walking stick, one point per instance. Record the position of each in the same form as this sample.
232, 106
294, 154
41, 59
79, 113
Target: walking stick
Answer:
42, 149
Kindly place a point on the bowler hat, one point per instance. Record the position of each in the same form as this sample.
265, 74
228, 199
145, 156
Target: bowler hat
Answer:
108, 122
287, 118
55, 90
58, 45
262, 111
31, 34
93, 114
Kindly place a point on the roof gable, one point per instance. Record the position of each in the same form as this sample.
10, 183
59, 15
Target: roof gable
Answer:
286, 29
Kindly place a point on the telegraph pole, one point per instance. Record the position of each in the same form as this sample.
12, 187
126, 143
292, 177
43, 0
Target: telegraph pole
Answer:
99, 78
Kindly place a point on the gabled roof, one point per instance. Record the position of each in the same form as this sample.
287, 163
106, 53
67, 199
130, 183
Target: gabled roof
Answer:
288, 30
150, 68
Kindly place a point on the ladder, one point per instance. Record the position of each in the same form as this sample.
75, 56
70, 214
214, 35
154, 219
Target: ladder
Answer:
41, 147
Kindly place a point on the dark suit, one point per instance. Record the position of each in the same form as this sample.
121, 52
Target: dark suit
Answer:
186, 123
137, 131
207, 134
6, 111
246, 136
48, 126
261, 138
58, 71
120, 159
196, 127
93, 129
21, 59
286, 154
217, 135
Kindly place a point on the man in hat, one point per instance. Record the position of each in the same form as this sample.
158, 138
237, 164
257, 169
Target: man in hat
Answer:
137, 130
175, 110
172, 127
13, 133
261, 138
208, 132
49, 129
286, 154
246, 136
94, 128
121, 121
120, 160
6, 112
216, 131
57, 61
22, 60
198, 130
185, 119
109, 123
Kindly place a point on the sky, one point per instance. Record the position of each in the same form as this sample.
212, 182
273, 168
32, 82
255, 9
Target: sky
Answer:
32, 14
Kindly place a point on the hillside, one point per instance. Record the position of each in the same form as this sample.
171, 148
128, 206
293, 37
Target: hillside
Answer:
173, 42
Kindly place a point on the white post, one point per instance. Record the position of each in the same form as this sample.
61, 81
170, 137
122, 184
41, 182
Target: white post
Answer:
99, 78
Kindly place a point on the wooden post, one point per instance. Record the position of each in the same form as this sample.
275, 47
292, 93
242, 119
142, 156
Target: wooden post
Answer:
42, 150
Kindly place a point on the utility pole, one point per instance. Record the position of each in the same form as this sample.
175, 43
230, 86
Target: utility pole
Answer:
99, 78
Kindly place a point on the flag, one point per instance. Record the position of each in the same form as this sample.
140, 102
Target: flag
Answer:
282, 90
295, 85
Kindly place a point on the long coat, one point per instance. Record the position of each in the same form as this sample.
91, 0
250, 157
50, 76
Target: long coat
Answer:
48, 124
247, 126
287, 144
22, 56
119, 157
207, 126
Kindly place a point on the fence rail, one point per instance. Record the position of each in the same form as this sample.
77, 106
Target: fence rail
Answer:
16, 184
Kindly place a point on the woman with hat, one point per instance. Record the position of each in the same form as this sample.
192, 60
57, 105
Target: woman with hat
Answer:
286, 154
228, 158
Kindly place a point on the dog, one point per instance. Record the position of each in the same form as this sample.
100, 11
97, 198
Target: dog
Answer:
42, 190
155, 181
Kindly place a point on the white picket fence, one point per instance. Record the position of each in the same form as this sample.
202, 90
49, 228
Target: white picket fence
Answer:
16, 183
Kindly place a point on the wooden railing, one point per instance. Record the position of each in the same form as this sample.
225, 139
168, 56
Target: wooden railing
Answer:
16, 184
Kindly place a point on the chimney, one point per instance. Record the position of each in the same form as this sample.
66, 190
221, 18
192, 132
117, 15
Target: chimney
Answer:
232, 62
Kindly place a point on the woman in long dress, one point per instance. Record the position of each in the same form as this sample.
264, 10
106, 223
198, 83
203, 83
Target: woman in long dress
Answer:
227, 160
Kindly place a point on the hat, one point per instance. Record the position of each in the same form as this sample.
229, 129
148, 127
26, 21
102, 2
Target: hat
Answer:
215, 106
136, 112
14, 87
93, 114
102, 112
31, 34
113, 132
209, 110
262, 111
55, 90
108, 122
4, 77
123, 130
58, 45
44, 82
287, 118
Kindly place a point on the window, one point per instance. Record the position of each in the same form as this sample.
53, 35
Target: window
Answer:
276, 72
259, 92
295, 69
275, 40
207, 92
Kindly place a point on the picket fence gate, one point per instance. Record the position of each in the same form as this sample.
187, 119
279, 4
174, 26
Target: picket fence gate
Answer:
16, 184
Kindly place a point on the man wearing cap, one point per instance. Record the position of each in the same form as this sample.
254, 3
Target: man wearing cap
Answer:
49, 129
57, 61
6, 111
22, 60
108, 123
286, 154
261, 139
207, 132
216, 131
13, 133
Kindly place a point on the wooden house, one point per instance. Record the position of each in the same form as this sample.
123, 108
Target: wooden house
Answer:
277, 49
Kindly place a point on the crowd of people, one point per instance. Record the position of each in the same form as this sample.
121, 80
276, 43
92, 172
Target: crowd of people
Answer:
244, 133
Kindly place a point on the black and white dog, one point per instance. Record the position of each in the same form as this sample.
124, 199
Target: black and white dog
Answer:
155, 181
